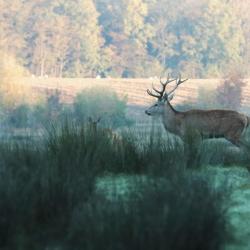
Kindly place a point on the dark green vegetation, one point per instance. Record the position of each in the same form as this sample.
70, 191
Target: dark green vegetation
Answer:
96, 105
126, 38
49, 197
50, 189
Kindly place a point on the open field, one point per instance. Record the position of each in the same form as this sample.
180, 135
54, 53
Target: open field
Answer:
134, 89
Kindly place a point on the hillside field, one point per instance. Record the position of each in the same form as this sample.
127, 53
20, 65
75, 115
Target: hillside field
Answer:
134, 89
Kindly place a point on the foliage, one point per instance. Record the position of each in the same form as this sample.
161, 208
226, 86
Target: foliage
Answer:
92, 105
135, 38
99, 103
154, 218
207, 98
229, 93
12, 93
48, 195
19, 116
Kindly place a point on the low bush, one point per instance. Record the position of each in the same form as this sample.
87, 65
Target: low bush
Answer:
180, 213
93, 104
103, 104
20, 116
49, 198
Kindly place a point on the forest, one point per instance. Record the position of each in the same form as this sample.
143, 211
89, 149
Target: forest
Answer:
126, 38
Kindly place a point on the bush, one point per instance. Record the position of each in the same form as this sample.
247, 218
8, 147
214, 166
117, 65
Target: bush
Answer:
90, 106
12, 92
51, 111
41, 184
49, 199
207, 98
19, 117
185, 213
101, 103
229, 93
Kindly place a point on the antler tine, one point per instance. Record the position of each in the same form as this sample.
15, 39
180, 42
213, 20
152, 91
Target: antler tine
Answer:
178, 82
161, 81
172, 91
167, 81
154, 95
160, 93
156, 90
164, 84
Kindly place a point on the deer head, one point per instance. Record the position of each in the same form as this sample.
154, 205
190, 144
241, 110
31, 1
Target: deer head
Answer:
162, 96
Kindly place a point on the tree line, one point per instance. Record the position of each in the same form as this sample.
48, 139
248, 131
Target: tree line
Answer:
126, 38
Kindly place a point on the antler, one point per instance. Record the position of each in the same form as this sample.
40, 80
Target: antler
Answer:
160, 93
178, 82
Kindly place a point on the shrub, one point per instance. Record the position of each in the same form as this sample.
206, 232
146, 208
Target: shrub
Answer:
48, 196
184, 213
207, 98
19, 117
91, 105
229, 93
101, 103
12, 92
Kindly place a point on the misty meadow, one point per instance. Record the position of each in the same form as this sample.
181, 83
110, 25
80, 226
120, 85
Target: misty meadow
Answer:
124, 125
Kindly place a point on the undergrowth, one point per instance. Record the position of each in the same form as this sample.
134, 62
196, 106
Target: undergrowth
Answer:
49, 198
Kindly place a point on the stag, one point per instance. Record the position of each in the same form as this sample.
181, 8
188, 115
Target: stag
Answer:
215, 123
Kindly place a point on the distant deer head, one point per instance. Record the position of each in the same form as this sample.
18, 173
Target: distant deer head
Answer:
216, 123
93, 123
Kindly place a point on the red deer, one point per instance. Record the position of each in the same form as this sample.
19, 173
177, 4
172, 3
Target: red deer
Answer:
215, 123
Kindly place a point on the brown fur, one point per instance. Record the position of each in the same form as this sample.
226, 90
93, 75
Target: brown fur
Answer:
216, 123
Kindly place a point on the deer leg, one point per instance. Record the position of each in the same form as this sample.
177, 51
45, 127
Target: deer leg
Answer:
235, 138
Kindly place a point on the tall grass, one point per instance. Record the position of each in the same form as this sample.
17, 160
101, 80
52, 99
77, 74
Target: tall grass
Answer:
179, 213
49, 198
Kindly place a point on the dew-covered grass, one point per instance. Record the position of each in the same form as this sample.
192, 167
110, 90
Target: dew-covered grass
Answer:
85, 187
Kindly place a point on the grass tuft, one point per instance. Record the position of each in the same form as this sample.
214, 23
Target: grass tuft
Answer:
49, 196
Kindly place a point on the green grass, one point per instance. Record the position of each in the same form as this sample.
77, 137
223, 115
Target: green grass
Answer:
49, 194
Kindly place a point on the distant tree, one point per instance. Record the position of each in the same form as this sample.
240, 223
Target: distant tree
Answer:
241, 10
41, 47
229, 93
162, 14
12, 41
202, 40
60, 44
12, 92
219, 37
86, 42
126, 32
134, 26
133, 38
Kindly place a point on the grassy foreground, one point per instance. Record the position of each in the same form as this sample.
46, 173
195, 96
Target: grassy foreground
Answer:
49, 196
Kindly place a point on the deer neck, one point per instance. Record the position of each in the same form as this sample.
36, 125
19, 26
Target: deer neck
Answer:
169, 118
